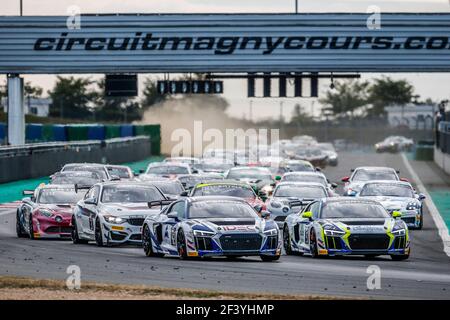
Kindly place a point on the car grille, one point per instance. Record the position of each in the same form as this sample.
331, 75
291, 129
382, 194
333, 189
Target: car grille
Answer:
280, 218
136, 237
237, 242
334, 242
58, 229
136, 221
117, 236
203, 243
400, 242
272, 243
409, 220
369, 241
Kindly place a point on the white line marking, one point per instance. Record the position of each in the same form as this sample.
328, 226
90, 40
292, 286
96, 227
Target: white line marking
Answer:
440, 224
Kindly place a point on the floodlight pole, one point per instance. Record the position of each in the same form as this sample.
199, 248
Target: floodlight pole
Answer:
296, 6
21, 7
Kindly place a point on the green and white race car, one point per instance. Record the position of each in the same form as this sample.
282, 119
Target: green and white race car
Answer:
346, 226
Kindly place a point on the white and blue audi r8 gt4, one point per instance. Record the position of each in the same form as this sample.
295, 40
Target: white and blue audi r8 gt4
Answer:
346, 226
211, 226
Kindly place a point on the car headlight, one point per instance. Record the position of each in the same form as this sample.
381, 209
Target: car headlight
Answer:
46, 213
332, 230
202, 233
412, 206
113, 219
271, 232
275, 204
399, 228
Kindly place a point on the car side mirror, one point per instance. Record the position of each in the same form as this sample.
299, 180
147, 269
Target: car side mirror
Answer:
265, 214
194, 171
307, 215
396, 214
184, 193
173, 215
318, 169
90, 201
345, 179
422, 196
334, 185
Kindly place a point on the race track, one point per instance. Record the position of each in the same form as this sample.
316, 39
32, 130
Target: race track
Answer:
425, 275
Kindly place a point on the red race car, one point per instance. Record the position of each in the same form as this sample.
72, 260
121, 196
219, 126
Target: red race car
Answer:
48, 212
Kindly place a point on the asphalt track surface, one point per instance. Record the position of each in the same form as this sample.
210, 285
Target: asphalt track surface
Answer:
426, 275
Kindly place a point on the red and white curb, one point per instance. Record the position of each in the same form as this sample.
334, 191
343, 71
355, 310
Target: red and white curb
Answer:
10, 205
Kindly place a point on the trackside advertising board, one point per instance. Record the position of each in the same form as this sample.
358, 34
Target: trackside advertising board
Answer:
225, 43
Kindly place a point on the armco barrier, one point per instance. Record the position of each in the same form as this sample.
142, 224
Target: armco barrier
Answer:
126, 130
96, 132
41, 159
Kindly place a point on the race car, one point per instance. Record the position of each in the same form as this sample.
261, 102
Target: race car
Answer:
84, 178
214, 165
191, 180
397, 196
211, 226
360, 175
299, 166
394, 144
328, 149
292, 197
231, 189
346, 226
112, 213
260, 178
312, 154
168, 169
47, 213
100, 169
317, 177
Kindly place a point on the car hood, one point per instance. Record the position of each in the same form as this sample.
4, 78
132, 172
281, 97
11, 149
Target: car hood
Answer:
119, 209
362, 225
393, 202
232, 225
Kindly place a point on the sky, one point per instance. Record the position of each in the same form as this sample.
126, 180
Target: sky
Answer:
435, 86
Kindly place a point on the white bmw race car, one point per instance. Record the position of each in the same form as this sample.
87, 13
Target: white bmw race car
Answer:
113, 212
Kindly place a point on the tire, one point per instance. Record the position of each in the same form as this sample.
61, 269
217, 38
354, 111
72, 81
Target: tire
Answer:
269, 258
313, 244
399, 257
75, 237
19, 228
147, 244
287, 241
98, 234
31, 227
181, 245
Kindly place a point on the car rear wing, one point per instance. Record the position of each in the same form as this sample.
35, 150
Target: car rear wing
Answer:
160, 203
28, 192
300, 203
81, 187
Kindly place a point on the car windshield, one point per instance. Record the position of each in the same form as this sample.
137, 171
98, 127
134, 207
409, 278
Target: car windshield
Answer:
305, 178
249, 174
169, 187
130, 194
220, 209
98, 170
300, 191
387, 190
366, 175
59, 196
214, 166
336, 210
168, 170
80, 180
123, 173
224, 190
309, 152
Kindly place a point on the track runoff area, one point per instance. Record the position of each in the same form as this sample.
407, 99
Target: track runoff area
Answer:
425, 275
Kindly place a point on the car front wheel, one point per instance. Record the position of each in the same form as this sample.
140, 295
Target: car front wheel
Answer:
75, 236
98, 233
147, 243
19, 229
181, 245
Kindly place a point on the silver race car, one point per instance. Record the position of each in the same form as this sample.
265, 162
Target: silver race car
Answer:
346, 226
211, 226
397, 196
113, 212
360, 175
292, 197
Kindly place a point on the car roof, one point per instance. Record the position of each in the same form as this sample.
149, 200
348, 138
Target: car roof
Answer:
396, 182
57, 186
214, 198
75, 173
299, 183
348, 200
373, 168
305, 173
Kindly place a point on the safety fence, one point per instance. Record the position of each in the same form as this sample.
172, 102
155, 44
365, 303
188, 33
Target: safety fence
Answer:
443, 137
